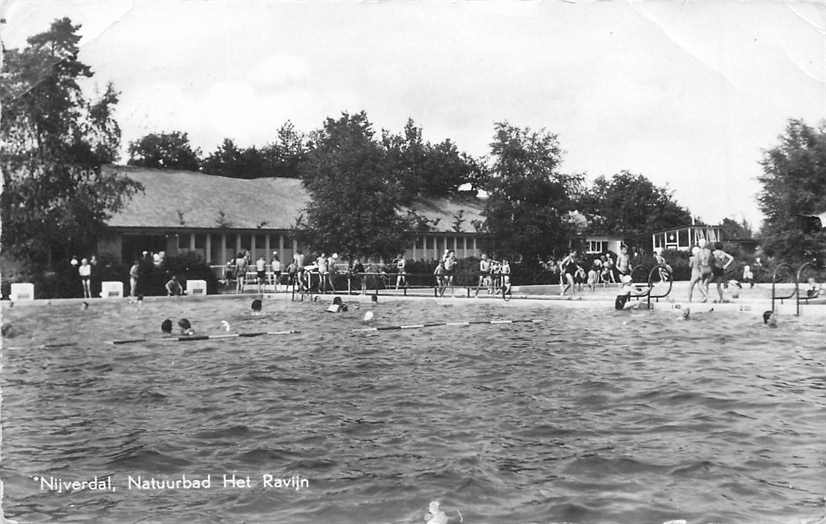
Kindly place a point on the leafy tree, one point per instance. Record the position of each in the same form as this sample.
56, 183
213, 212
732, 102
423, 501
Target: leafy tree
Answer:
732, 229
56, 197
355, 200
229, 160
631, 205
527, 208
794, 185
425, 169
281, 158
284, 156
164, 151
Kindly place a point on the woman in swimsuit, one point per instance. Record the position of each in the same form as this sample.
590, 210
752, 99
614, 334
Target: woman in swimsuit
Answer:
569, 269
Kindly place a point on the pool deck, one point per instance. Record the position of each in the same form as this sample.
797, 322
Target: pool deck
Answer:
750, 300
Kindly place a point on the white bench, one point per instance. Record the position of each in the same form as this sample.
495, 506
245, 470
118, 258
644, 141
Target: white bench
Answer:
111, 289
196, 287
22, 291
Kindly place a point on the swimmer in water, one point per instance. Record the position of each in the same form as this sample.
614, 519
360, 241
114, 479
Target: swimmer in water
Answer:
84, 306
186, 327
337, 306
225, 326
435, 515
256, 305
166, 327
770, 319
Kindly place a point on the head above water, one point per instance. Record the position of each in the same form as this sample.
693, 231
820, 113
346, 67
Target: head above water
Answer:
769, 318
166, 326
256, 305
337, 301
184, 324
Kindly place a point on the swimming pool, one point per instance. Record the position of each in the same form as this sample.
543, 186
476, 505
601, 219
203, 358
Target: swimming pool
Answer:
590, 416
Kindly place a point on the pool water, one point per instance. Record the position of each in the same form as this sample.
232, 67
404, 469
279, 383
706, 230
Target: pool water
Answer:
590, 416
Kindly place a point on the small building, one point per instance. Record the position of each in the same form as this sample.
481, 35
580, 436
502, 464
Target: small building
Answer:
597, 244
216, 217
684, 237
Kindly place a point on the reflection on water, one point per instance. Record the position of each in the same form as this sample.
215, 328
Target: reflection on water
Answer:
590, 416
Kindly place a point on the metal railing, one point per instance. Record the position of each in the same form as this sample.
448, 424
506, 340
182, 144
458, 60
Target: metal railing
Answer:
794, 292
798, 277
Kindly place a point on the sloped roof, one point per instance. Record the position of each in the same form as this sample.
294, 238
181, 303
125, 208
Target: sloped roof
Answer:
186, 199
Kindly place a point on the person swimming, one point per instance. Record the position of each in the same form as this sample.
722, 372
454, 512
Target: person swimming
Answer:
166, 327
337, 306
435, 515
770, 319
186, 327
256, 305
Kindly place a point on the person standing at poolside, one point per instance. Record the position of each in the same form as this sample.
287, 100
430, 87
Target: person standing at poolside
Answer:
696, 278
484, 273
720, 263
85, 272
705, 259
240, 272
609, 269
506, 276
401, 274
275, 267
569, 269
450, 267
260, 273
439, 273
134, 273
624, 262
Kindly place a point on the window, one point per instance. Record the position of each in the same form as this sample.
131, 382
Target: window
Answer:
183, 241
419, 242
200, 241
246, 241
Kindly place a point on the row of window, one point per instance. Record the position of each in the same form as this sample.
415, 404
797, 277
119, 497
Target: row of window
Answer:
185, 239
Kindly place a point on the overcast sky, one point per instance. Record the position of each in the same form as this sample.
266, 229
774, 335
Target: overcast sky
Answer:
686, 93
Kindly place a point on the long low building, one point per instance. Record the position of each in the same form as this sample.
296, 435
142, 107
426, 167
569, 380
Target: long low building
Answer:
216, 217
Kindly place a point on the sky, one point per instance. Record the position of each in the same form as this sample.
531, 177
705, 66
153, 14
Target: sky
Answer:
687, 93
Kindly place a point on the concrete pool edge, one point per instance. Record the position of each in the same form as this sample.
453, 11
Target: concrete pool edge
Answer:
749, 305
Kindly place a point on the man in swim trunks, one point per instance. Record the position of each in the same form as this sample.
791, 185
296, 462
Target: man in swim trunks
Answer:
720, 263
261, 273
484, 274
450, 267
439, 273
401, 274
569, 269
623, 262
173, 287
85, 272
705, 260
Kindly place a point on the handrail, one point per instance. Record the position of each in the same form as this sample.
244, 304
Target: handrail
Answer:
774, 282
658, 269
799, 274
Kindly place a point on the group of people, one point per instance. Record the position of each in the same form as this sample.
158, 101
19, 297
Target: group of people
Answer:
494, 275
242, 264
708, 266
601, 269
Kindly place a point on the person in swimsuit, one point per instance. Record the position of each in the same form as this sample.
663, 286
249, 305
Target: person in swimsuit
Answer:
696, 279
450, 267
240, 272
401, 276
506, 276
261, 273
484, 274
569, 269
439, 273
720, 263
624, 262
704, 258
275, 267
173, 287
85, 272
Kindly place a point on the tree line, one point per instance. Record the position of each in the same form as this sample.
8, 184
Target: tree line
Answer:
367, 186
